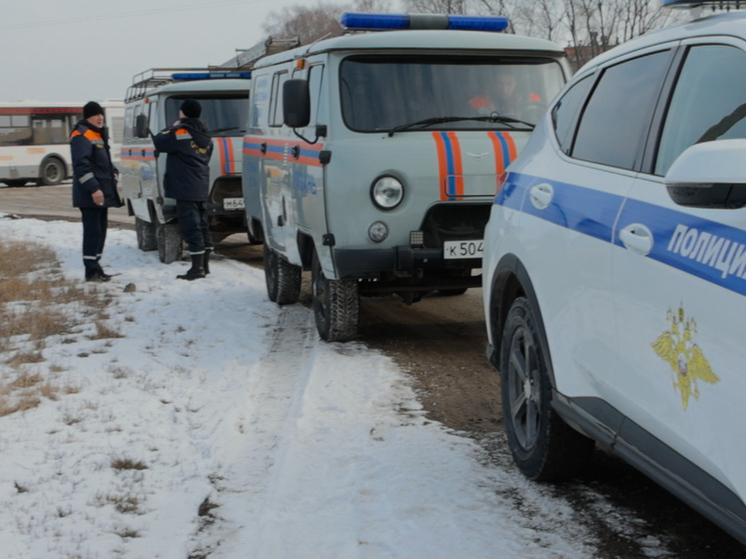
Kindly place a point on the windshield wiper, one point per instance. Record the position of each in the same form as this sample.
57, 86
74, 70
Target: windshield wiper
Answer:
219, 130
443, 119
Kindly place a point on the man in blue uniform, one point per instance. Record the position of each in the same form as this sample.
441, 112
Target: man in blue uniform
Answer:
187, 180
94, 185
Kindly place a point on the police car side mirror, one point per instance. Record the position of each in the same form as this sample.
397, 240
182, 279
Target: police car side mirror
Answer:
709, 175
141, 126
296, 103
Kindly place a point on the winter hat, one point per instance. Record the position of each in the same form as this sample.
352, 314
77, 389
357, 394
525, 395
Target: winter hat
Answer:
191, 108
92, 109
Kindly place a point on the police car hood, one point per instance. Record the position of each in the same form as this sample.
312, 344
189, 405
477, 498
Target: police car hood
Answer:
197, 130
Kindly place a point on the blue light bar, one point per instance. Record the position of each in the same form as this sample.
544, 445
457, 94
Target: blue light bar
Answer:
724, 4
185, 76
351, 20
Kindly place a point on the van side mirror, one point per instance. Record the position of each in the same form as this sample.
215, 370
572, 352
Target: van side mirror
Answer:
141, 126
296, 103
709, 175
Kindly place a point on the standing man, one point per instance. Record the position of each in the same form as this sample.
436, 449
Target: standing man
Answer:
187, 180
94, 186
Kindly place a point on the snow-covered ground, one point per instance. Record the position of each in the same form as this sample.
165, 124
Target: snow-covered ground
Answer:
304, 449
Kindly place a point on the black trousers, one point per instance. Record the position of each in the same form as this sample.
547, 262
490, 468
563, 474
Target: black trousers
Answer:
95, 223
194, 224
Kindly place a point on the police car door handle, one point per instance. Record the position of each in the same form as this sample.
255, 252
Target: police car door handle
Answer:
541, 195
637, 238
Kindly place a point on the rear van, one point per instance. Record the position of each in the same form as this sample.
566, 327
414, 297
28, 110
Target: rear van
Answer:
371, 158
153, 103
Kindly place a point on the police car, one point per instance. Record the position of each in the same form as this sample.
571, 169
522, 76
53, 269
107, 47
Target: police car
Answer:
615, 269
370, 159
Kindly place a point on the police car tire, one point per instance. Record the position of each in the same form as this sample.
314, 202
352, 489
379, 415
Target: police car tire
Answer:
146, 237
51, 172
336, 305
169, 242
543, 446
283, 278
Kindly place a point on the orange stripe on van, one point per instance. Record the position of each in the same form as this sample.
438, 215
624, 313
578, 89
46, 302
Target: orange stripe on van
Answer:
442, 165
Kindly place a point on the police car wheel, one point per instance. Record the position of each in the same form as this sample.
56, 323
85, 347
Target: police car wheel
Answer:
283, 278
543, 446
336, 305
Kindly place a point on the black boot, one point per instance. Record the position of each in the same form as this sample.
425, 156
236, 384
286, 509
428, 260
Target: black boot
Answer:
196, 271
206, 262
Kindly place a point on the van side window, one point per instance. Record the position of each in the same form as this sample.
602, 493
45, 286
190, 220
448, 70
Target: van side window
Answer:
315, 79
259, 101
153, 120
129, 122
275, 108
617, 117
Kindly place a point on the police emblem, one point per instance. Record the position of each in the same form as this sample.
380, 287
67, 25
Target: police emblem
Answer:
685, 357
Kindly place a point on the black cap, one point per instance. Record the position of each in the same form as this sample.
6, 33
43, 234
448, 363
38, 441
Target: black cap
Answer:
191, 108
91, 109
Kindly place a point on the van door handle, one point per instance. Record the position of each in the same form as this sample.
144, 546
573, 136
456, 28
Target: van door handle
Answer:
263, 148
637, 238
295, 151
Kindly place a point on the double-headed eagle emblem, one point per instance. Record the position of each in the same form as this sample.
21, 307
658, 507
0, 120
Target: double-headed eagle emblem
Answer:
685, 357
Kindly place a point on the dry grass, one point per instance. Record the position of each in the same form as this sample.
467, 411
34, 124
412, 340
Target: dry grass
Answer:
38, 306
124, 463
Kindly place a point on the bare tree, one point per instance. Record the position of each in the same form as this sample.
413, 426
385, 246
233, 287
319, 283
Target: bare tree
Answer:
436, 6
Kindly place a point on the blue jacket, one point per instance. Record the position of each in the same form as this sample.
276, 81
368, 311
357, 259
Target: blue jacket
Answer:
189, 147
92, 167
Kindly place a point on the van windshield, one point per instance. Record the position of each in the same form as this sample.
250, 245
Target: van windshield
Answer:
223, 115
383, 92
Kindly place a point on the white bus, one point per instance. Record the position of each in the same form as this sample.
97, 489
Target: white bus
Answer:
35, 139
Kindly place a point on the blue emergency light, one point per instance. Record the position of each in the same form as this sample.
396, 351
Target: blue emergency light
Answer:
184, 76
723, 4
362, 21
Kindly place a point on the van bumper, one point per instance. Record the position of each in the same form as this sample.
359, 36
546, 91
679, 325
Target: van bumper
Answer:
404, 260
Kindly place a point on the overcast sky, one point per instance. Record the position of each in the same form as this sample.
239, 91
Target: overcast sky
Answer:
78, 50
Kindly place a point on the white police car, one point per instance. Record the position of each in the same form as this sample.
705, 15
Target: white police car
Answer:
615, 270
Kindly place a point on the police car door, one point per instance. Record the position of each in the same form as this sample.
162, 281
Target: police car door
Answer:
679, 284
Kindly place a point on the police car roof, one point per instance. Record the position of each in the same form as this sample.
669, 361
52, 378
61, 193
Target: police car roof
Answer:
206, 86
730, 23
429, 40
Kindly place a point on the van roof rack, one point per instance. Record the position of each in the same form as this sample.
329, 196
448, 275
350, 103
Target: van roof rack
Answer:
245, 58
146, 81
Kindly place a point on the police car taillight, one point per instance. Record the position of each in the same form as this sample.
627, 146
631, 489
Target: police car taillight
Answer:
187, 76
362, 21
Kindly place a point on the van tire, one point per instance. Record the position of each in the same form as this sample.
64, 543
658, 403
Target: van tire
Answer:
146, 237
544, 447
169, 242
336, 305
283, 278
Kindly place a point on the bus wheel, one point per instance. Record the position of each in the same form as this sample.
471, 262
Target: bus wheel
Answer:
146, 237
168, 240
283, 278
336, 305
51, 172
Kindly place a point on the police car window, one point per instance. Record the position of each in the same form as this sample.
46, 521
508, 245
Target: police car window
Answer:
566, 110
618, 114
380, 92
708, 102
224, 115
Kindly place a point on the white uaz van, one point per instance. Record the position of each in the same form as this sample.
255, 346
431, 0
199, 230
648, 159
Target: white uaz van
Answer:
372, 158
153, 103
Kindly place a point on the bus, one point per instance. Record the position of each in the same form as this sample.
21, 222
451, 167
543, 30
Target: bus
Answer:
35, 139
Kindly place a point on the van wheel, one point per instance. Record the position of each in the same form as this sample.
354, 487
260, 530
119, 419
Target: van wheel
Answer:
336, 305
169, 242
146, 237
51, 172
282, 277
543, 446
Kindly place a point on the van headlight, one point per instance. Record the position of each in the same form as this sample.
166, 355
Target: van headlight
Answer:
387, 192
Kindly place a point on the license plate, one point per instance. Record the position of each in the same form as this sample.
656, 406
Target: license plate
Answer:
233, 204
453, 250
